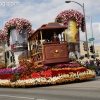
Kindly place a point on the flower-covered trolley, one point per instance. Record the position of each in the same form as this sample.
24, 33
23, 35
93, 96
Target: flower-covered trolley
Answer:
47, 61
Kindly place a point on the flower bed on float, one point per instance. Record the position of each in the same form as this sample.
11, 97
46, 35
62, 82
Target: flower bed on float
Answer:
30, 74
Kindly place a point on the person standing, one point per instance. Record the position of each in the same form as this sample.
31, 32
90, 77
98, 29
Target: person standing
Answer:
72, 55
77, 51
86, 63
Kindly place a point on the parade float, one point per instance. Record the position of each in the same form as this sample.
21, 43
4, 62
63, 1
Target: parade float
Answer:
47, 64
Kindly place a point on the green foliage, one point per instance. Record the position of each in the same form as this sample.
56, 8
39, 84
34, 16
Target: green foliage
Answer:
16, 76
94, 67
72, 59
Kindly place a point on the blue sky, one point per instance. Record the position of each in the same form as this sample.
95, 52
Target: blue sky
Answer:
40, 12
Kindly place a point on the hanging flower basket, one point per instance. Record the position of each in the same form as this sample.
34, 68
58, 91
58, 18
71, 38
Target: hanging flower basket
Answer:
19, 24
64, 16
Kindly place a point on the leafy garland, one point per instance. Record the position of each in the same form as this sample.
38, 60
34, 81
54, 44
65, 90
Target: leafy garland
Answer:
64, 16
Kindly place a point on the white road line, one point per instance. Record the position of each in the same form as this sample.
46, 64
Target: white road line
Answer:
20, 97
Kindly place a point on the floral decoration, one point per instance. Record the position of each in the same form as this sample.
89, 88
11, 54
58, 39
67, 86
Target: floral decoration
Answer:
11, 70
32, 31
3, 37
31, 74
19, 23
64, 16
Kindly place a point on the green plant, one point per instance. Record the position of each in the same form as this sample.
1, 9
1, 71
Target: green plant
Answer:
94, 67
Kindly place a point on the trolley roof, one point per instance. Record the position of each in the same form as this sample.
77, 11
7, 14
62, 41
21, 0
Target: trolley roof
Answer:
49, 29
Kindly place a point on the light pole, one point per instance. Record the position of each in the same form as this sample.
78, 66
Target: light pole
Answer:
85, 23
91, 28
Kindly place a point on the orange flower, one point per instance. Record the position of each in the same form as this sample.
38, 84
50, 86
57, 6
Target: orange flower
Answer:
36, 65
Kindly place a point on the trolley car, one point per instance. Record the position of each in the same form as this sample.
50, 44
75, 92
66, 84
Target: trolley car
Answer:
42, 49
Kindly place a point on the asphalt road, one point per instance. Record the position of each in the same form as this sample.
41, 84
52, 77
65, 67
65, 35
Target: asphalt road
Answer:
87, 90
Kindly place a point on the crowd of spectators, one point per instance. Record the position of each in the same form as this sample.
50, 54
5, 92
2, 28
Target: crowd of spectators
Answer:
95, 64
